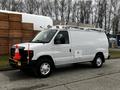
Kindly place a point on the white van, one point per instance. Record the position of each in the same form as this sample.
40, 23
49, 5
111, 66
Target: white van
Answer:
58, 46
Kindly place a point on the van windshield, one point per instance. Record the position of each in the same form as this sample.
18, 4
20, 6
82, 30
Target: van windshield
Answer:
44, 36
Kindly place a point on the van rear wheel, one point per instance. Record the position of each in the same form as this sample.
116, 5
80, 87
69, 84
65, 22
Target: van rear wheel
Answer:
98, 61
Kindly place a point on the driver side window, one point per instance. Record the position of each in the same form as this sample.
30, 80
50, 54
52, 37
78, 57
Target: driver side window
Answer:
63, 37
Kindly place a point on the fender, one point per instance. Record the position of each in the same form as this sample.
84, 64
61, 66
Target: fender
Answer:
49, 53
103, 51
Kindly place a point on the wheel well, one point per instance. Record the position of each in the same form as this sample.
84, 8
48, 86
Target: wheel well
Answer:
48, 57
102, 55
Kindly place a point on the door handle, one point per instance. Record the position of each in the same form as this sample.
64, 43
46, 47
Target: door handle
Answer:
70, 50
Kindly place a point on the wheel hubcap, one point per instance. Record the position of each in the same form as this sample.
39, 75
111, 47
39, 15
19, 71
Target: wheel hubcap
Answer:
99, 62
45, 68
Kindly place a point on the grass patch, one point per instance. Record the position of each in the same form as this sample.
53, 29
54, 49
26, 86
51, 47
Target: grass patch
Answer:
3, 60
4, 63
114, 54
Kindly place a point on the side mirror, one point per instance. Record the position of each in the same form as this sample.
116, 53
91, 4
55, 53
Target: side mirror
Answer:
60, 39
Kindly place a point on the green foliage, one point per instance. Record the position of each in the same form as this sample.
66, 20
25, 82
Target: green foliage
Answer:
114, 54
4, 61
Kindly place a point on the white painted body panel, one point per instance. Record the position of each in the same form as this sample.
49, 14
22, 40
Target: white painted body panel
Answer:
83, 44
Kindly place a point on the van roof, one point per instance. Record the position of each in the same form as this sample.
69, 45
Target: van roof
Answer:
61, 27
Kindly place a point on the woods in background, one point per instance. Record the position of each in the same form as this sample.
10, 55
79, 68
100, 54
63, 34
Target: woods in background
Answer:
100, 13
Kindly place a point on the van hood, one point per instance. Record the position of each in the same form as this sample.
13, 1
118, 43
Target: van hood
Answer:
31, 45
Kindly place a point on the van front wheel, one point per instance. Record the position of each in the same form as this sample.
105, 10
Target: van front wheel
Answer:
97, 62
44, 68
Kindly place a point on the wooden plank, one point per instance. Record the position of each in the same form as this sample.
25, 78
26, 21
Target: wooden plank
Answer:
15, 33
4, 41
4, 33
15, 26
13, 41
4, 50
15, 17
4, 25
26, 40
36, 32
27, 26
28, 33
4, 17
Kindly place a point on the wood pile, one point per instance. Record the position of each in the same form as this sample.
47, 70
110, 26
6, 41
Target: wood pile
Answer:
13, 31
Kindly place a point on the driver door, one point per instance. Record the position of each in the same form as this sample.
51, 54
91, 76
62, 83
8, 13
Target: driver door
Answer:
62, 48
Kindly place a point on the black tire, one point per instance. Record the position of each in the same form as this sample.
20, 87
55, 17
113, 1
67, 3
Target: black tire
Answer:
43, 64
98, 61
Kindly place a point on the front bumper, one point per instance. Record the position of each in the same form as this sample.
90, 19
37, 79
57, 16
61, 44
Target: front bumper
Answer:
20, 64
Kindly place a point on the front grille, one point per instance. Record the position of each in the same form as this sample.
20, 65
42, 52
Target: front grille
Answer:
12, 52
23, 53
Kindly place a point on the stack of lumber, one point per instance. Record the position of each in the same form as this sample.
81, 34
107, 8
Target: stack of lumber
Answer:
13, 31
4, 33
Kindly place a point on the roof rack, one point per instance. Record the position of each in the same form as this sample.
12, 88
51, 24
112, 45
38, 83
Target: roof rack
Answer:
78, 27
95, 29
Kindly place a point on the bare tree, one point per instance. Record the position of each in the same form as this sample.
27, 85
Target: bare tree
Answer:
43, 12
82, 11
77, 14
31, 6
56, 9
20, 6
14, 5
105, 14
69, 7
87, 11
62, 8
74, 12
3, 4
101, 13
49, 8
115, 12
109, 16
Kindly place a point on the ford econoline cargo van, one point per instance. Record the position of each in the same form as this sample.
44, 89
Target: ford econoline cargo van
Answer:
58, 46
